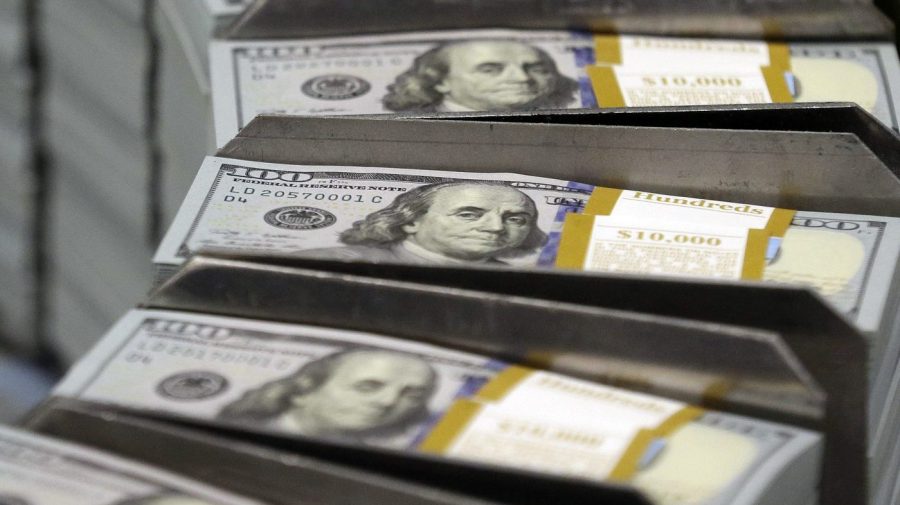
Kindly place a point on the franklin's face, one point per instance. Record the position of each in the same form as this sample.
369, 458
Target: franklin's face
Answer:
496, 75
368, 390
473, 222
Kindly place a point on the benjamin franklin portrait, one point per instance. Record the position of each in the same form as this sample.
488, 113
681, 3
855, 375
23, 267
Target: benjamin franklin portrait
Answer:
481, 75
362, 395
445, 223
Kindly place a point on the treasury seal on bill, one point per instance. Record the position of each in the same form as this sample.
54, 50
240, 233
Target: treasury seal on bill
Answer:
335, 87
299, 218
193, 385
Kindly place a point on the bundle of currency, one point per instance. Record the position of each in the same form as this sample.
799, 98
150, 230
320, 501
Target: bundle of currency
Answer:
363, 389
369, 214
16, 202
523, 70
446, 218
380, 214
40, 470
852, 261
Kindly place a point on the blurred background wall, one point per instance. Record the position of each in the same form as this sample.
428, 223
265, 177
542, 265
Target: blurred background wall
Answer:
104, 119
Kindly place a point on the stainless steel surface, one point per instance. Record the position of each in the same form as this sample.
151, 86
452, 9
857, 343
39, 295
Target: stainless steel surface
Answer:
808, 19
794, 169
828, 117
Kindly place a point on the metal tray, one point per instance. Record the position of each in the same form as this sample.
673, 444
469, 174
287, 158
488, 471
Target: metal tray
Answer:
804, 167
793, 19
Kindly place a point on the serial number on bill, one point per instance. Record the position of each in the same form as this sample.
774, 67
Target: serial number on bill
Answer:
294, 195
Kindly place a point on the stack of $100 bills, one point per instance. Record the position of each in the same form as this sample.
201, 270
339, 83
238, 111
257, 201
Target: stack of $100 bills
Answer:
371, 391
504, 220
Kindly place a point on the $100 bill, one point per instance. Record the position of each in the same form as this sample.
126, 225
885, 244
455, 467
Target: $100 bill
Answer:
364, 389
515, 70
370, 214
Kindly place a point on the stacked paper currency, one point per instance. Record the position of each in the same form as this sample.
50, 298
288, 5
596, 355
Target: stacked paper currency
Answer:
430, 72
16, 198
382, 74
361, 389
95, 117
126, 131
37, 470
396, 73
352, 213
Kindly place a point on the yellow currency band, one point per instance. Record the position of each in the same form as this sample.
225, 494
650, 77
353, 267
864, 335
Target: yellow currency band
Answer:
574, 242
605, 86
629, 463
602, 201
461, 413
458, 416
503, 383
779, 221
777, 85
755, 254
608, 50
779, 55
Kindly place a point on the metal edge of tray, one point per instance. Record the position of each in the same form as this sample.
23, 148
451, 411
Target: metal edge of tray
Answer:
821, 20
820, 171
823, 117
